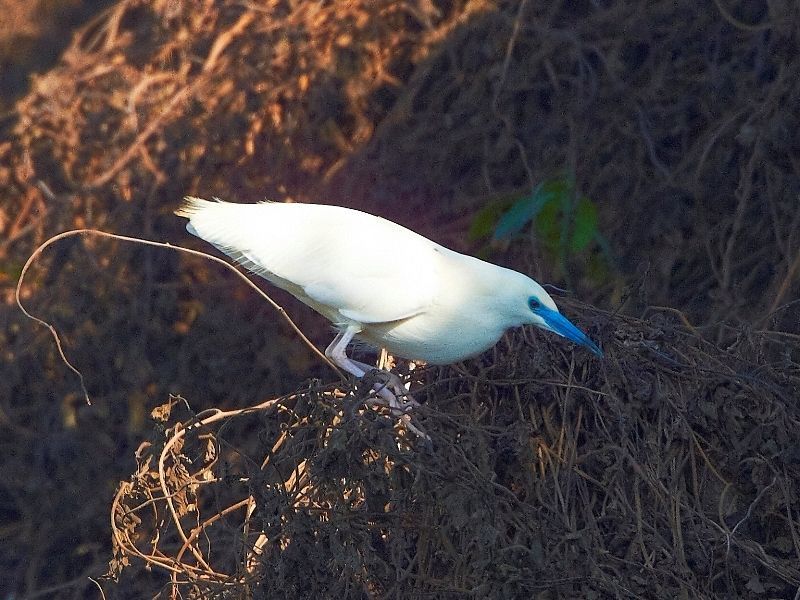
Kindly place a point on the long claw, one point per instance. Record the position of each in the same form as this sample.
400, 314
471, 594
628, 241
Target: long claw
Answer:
393, 402
402, 399
390, 388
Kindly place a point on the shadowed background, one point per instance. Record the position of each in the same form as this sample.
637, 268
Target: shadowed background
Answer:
674, 124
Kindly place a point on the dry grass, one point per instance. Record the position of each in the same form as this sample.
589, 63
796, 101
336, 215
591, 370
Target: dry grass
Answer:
665, 470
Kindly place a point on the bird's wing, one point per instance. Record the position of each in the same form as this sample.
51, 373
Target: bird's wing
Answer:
368, 269
375, 299
349, 265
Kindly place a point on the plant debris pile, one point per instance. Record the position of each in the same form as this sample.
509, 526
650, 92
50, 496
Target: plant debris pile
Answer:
669, 469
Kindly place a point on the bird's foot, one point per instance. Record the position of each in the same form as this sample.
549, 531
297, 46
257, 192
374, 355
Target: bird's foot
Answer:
392, 389
392, 394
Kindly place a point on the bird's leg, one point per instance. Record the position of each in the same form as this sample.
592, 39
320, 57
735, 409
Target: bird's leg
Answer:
402, 388
337, 352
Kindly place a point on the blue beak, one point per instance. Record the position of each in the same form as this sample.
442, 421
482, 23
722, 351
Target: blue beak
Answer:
558, 323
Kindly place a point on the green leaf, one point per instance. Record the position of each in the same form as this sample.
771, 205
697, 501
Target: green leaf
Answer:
585, 225
483, 222
559, 188
548, 226
523, 211
516, 218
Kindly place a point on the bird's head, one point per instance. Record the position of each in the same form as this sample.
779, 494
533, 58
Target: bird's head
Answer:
540, 310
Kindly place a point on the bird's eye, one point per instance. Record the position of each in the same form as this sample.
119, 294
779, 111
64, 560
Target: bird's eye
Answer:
533, 303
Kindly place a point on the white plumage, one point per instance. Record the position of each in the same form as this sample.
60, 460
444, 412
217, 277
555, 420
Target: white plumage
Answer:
377, 280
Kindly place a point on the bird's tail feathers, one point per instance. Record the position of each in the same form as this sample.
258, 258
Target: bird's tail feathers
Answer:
222, 224
191, 206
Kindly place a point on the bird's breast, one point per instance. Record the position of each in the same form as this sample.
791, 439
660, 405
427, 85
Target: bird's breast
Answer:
434, 337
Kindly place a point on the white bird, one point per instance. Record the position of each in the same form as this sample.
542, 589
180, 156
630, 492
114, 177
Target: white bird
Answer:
378, 281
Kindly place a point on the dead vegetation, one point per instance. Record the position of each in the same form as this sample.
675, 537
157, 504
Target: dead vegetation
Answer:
667, 470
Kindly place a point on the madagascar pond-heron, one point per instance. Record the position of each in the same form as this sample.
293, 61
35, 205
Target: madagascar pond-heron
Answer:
378, 281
